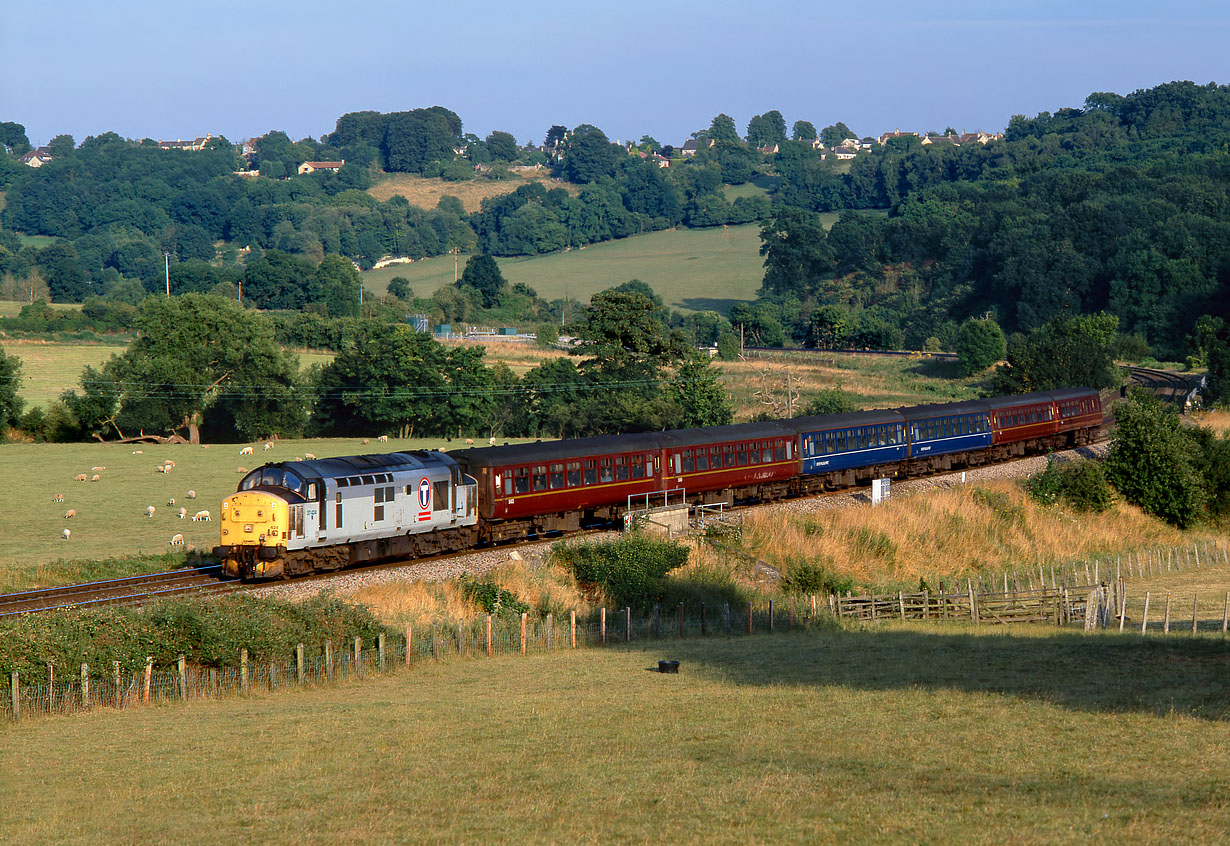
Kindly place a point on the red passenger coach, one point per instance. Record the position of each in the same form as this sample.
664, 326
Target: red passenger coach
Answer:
556, 485
1022, 418
1080, 414
725, 463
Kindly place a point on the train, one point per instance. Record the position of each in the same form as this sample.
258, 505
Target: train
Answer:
298, 517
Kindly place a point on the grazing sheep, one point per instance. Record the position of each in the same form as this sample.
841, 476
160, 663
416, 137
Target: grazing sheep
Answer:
149, 510
177, 540
70, 514
469, 440
138, 452
241, 469
309, 456
191, 547
201, 517
80, 477
383, 439
162, 468
171, 501
58, 498
246, 451
191, 494
268, 446
97, 469
96, 478
168, 463
66, 534
367, 440
491, 441
183, 512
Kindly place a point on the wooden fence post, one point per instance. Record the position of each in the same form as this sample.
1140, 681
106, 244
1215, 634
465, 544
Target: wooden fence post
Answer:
602, 625
409, 640
790, 616
488, 635
15, 692
183, 678
749, 616
813, 606
85, 685
1194, 614
329, 660
51, 687
550, 631
149, 674
300, 664
1122, 607
1225, 612
703, 630
1166, 625
572, 629
358, 655
770, 616
655, 624
522, 632
243, 671
627, 624
901, 603
726, 618
1144, 618
681, 619
380, 646
119, 691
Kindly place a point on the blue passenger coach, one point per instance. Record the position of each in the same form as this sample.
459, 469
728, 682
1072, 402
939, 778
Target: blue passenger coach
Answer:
843, 441
943, 428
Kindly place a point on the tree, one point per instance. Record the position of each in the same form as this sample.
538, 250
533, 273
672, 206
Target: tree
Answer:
337, 284
11, 402
555, 136
722, 128
980, 343
833, 135
766, 130
483, 275
199, 361
13, 138
589, 155
1151, 461
502, 146
61, 146
796, 251
415, 139
698, 391
1067, 352
803, 130
399, 286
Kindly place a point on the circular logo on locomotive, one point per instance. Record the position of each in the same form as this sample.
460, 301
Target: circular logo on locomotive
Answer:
425, 494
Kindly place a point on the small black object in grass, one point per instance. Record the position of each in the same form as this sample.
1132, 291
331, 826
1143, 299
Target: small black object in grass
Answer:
668, 666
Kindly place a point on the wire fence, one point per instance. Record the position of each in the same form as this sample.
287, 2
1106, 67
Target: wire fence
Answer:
1107, 598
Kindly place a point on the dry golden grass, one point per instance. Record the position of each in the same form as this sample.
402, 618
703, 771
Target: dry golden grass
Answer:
426, 192
1218, 421
952, 532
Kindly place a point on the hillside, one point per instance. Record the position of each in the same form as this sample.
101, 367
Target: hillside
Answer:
425, 192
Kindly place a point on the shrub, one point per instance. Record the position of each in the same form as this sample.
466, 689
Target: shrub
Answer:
830, 401
1082, 486
492, 598
808, 577
980, 343
629, 570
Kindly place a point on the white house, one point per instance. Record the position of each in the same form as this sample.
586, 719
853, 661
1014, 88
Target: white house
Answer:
312, 167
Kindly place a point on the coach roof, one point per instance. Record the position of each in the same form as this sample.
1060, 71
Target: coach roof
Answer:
546, 451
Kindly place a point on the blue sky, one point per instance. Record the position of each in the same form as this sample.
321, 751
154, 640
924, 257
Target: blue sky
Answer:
663, 68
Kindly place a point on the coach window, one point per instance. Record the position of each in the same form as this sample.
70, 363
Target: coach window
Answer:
702, 459
604, 471
779, 451
728, 455
830, 442
557, 476
741, 453
689, 464
638, 467
621, 468
715, 458
522, 480
591, 472
540, 477
574, 474
508, 484
311, 491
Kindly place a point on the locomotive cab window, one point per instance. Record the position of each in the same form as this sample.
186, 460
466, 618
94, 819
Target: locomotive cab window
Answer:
439, 495
378, 507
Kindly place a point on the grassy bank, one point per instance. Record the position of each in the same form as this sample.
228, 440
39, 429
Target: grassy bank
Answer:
899, 734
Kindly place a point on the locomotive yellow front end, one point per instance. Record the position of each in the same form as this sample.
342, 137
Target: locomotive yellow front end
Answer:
254, 531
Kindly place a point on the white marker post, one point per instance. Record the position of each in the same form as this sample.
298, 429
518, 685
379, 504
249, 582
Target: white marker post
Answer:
879, 490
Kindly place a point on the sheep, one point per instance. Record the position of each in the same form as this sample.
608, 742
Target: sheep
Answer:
97, 469
268, 446
183, 512
383, 439
309, 456
177, 540
80, 477
70, 514
469, 440
149, 510
66, 534
96, 478
201, 517
168, 463
246, 451
138, 452
58, 498
171, 501
367, 440
191, 547
162, 468
241, 469
491, 441
191, 494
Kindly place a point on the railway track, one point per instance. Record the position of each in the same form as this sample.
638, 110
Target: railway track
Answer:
130, 590
1170, 387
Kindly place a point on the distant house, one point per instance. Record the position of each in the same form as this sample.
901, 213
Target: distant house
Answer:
768, 149
978, 137
180, 144
842, 154
312, 167
36, 158
950, 140
657, 158
691, 147
889, 136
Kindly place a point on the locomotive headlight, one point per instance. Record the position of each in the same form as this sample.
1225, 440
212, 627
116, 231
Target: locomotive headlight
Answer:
247, 527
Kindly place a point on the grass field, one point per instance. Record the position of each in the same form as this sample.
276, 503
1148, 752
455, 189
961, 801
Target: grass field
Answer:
37, 241
110, 518
888, 735
691, 269
10, 308
49, 369
426, 192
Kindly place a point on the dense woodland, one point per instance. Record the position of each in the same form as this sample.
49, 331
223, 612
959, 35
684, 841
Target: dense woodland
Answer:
1117, 209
